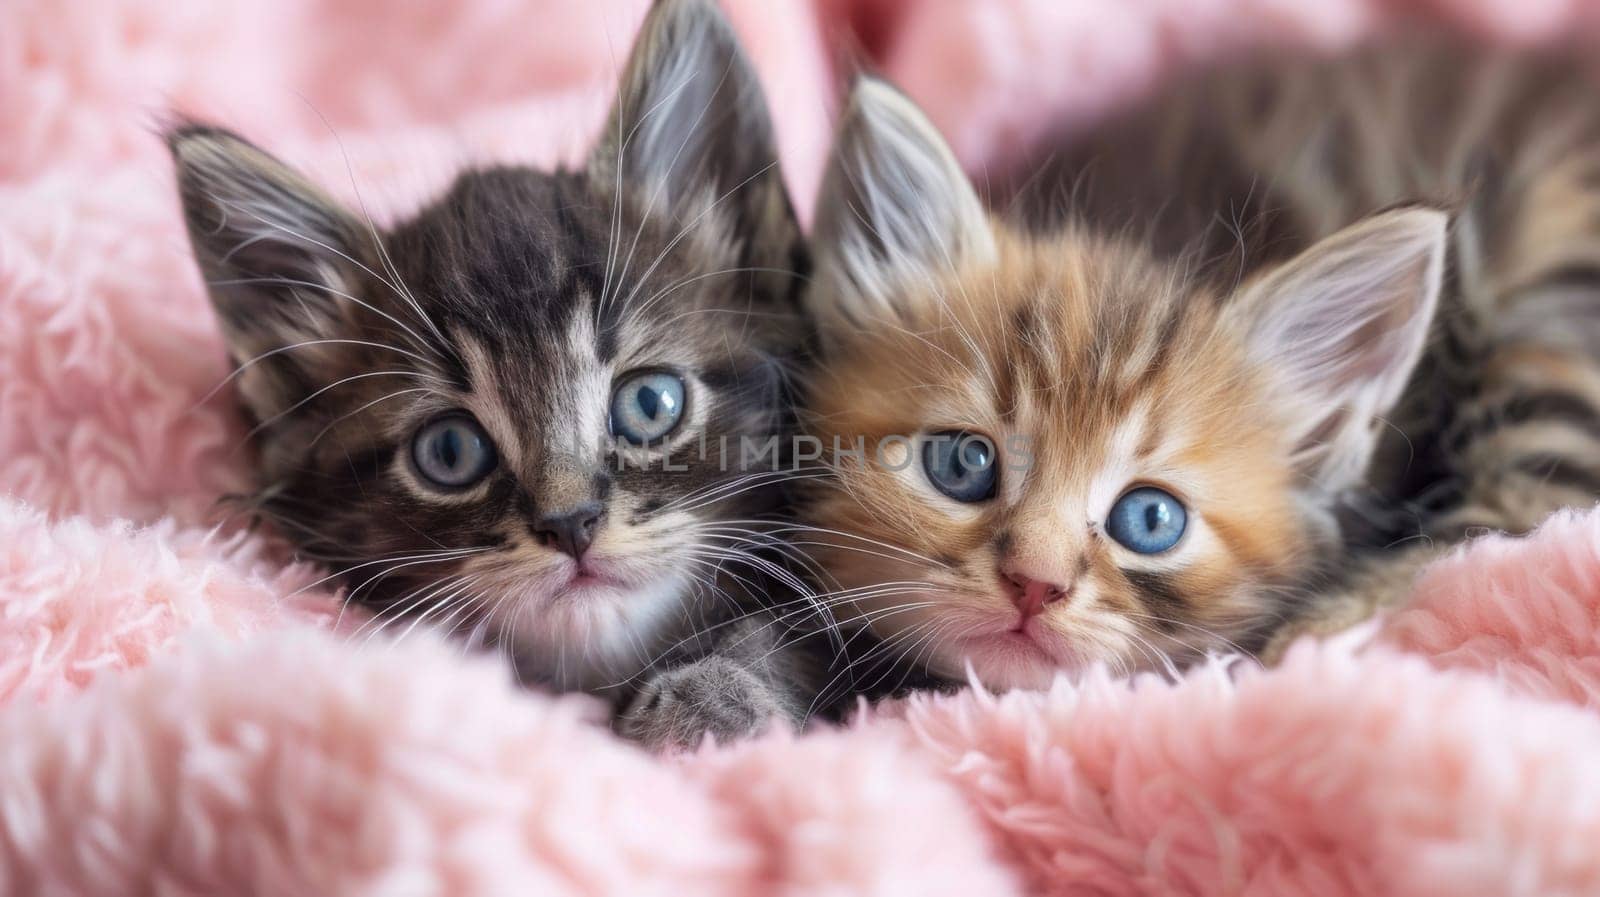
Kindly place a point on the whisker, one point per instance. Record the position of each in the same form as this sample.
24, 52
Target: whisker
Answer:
661, 183
397, 609
687, 228
644, 306
344, 417
447, 554
256, 430
318, 243
244, 366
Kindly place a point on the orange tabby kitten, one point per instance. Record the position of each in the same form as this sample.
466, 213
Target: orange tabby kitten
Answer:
1135, 432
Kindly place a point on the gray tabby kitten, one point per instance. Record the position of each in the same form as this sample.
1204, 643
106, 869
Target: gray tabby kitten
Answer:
1220, 370
493, 417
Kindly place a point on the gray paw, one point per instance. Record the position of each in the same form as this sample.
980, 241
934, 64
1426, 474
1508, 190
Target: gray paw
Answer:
712, 696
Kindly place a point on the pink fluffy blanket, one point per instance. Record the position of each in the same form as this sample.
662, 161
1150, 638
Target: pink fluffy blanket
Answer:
181, 714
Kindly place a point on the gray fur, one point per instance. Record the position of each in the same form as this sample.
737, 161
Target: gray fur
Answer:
743, 687
519, 299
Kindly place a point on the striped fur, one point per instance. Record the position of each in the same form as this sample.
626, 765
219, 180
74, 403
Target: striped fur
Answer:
523, 299
1117, 324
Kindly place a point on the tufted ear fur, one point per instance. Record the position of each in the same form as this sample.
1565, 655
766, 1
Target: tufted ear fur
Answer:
690, 137
278, 256
895, 211
1341, 327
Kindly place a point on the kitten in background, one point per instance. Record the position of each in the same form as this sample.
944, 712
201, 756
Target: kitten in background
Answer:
489, 418
1229, 368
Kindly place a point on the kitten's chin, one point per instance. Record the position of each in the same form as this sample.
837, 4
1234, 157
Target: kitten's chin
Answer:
1008, 660
594, 633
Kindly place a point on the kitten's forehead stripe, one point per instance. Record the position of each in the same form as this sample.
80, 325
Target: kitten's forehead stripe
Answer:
508, 253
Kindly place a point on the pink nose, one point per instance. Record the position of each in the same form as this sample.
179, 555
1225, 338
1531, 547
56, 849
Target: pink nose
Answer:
1030, 595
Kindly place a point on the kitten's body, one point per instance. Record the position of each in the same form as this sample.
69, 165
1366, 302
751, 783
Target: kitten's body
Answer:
437, 406
1206, 296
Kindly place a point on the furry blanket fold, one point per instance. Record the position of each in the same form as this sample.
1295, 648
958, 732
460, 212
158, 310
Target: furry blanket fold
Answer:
1453, 755
182, 713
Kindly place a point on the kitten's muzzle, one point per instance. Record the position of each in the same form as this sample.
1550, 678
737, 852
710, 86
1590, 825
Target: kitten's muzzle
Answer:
572, 531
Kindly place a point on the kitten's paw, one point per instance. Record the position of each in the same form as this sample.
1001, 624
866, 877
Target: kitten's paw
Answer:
712, 696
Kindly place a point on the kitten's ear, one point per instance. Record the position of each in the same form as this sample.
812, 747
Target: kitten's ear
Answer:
275, 253
690, 132
895, 211
1343, 325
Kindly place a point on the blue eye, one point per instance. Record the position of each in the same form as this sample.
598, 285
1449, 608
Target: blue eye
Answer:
1147, 520
453, 452
647, 406
960, 464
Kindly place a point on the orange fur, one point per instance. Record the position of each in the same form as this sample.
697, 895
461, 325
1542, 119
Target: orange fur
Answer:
1116, 373
1096, 362
1234, 288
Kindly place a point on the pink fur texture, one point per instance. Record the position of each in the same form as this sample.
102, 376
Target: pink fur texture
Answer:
183, 714
1531, 621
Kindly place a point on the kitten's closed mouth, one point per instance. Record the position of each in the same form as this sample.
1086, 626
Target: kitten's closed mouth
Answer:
586, 577
1024, 626
1019, 642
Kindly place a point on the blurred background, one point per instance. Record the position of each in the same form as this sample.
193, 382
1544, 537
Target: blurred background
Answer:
81, 82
